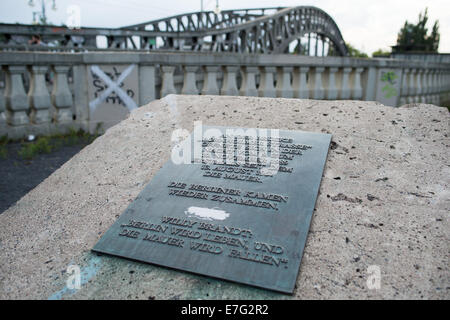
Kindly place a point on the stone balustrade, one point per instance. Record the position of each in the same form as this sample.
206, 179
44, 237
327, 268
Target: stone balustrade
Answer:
45, 93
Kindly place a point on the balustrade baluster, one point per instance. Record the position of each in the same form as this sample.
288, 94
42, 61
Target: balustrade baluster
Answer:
431, 84
210, 81
61, 96
315, 84
248, 87
266, 85
345, 90
439, 87
229, 85
15, 97
357, 91
418, 97
426, 86
331, 85
412, 86
404, 87
38, 96
441, 81
167, 86
284, 87
436, 86
190, 81
301, 89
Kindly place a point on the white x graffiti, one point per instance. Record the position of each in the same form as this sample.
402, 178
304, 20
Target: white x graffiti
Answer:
113, 86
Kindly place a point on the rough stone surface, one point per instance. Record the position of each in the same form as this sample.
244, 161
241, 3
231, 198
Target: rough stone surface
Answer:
384, 201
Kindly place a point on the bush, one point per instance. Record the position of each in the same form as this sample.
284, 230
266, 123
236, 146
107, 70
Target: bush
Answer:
54, 142
381, 54
3, 151
30, 150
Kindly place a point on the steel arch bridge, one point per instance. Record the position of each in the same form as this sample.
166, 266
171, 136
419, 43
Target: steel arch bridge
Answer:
262, 30
304, 30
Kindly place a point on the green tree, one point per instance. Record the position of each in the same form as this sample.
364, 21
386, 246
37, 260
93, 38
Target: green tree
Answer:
353, 52
415, 37
380, 53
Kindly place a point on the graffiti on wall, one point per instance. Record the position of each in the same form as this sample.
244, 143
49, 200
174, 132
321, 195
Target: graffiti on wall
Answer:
109, 87
113, 92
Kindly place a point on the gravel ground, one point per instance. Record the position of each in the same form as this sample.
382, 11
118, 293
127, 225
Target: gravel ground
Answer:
19, 176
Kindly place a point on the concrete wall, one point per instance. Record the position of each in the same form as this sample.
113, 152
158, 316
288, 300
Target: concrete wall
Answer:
44, 93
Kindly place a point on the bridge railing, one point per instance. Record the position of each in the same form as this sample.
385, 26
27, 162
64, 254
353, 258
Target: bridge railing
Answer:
45, 93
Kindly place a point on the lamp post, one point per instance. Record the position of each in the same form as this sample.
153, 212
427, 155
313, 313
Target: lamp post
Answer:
217, 10
42, 14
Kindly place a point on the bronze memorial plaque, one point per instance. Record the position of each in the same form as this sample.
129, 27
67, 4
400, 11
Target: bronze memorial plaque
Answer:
231, 203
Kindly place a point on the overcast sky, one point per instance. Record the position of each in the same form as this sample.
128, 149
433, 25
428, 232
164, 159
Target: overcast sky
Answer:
367, 25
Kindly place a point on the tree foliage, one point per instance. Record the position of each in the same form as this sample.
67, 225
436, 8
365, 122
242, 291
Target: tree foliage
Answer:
380, 53
415, 37
353, 52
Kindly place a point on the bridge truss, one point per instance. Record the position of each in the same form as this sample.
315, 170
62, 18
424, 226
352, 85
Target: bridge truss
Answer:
303, 30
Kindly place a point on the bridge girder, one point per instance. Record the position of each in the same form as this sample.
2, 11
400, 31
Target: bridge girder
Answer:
252, 34
260, 30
